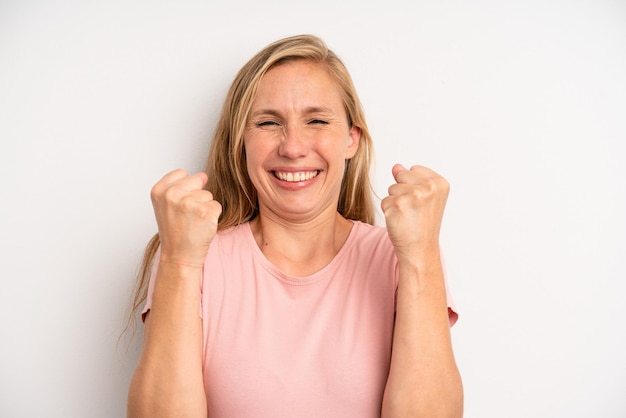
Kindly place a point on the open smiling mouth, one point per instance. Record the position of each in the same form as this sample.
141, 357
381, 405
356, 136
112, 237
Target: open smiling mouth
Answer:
295, 177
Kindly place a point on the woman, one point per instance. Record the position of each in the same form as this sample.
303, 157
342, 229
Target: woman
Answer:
271, 293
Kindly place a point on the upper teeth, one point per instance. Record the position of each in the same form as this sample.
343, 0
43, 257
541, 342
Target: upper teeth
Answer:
299, 176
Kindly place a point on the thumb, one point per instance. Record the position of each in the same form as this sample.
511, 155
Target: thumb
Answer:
203, 177
397, 169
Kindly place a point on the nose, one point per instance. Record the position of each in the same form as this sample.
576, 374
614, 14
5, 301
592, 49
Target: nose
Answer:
293, 143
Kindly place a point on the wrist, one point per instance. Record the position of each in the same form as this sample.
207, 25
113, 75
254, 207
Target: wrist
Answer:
179, 264
182, 259
419, 255
422, 267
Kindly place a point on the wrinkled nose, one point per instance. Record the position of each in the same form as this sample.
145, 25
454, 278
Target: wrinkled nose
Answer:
293, 143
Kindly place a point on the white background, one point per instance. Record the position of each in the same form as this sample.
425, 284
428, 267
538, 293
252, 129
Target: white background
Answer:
520, 104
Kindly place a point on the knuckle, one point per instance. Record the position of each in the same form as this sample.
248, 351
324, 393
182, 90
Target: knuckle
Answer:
187, 204
217, 205
210, 210
398, 204
155, 192
169, 194
416, 193
159, 192
215, 211
441, 186
203, 211
445, 184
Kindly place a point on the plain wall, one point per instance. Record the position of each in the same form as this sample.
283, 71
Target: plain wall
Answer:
521, 105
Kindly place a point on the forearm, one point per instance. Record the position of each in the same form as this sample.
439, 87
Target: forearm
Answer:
424, 380
168, 379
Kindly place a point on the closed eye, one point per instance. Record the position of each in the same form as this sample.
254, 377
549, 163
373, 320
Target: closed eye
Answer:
267, 123
318, 121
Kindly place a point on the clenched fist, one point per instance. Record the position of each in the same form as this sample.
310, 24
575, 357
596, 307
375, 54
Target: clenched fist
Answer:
414, 210
186, 216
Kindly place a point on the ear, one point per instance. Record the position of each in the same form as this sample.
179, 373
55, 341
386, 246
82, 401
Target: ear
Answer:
353, 144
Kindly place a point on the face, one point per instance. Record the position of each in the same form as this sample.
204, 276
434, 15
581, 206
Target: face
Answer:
297, 140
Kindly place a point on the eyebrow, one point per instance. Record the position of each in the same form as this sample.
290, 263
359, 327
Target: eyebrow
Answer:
307, 111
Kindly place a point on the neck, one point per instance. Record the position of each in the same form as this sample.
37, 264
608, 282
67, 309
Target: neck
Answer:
300, 249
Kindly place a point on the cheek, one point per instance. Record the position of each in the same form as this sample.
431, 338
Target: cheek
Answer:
254, 161
251, 162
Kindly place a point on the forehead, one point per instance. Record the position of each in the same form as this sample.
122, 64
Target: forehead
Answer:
298, 80
299, 66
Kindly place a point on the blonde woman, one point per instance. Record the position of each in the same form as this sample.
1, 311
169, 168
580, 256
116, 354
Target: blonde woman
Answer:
268, 290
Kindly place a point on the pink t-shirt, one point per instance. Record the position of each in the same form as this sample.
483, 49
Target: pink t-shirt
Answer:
280, 346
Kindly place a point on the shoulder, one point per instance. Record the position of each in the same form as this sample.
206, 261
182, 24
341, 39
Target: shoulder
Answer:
370, 235
372, 242
231, 239
371, 257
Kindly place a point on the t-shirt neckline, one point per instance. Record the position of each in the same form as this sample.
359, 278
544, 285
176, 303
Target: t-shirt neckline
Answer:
301, 280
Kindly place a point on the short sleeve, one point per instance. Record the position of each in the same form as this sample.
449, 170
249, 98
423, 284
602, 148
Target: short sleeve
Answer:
453, 315
153, 272
154, 266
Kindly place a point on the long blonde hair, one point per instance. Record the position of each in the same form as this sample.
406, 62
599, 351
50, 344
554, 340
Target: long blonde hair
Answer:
226, 165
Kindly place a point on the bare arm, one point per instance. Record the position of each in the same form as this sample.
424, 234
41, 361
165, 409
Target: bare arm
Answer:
168, 379
424, 380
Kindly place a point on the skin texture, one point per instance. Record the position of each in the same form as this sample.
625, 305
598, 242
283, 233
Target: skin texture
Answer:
168, 379
298, 129
298, 125
424, 380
